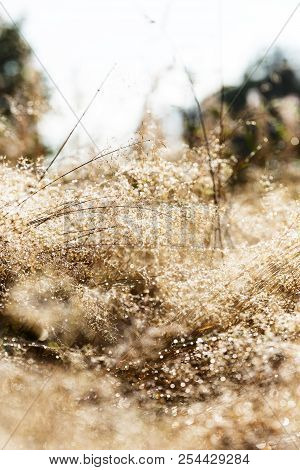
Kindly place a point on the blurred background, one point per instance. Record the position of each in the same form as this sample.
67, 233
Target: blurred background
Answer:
146, 47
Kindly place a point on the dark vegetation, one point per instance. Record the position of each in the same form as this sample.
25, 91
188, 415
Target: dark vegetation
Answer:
23, 98
254, 126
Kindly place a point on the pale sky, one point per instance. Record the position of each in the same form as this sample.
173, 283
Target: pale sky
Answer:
79, 41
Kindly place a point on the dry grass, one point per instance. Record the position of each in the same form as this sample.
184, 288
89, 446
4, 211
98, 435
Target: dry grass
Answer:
123, 323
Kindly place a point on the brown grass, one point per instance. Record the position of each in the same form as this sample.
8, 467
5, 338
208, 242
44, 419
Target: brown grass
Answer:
122, 326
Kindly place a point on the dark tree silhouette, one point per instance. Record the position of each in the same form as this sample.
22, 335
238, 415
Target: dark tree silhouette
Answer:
23, 98
247, 127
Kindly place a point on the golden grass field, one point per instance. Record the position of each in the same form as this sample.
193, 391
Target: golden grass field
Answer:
138, 314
